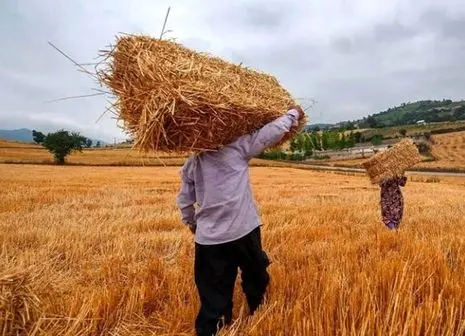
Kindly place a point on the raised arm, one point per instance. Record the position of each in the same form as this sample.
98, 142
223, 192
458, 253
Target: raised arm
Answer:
253, 144
186, 197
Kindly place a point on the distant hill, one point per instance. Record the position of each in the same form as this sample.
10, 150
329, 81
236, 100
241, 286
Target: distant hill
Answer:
411, 113
25, 135
313, 127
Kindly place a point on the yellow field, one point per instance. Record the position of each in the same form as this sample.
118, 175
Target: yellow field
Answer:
16, 152
102, 252
13, 152
448, 150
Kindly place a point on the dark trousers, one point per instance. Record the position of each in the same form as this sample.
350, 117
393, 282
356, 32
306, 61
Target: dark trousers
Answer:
216, 269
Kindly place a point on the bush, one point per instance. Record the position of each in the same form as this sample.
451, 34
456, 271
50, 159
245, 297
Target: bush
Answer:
377, 140
63, 143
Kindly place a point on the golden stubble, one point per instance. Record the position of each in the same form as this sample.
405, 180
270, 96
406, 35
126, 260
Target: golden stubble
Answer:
101, 251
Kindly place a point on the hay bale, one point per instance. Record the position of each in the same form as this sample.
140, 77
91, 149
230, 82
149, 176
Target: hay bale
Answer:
19, 306
171, 98
392, 162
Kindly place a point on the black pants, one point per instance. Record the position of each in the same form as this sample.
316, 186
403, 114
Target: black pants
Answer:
216, 269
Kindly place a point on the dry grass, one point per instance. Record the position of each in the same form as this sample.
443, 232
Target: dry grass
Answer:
171, 98
111, 258
449, 150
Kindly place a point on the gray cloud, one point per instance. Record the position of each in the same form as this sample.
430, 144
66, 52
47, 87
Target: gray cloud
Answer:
353, 57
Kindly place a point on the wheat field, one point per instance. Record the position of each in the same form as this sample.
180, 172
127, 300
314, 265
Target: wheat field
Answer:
101, 251
448, 151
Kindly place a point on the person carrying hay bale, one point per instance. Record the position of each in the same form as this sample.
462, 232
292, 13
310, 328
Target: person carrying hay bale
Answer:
387, 170
226, 223
392, 201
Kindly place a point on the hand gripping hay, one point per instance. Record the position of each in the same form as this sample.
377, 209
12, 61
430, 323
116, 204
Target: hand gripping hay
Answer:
173, 99
392, 162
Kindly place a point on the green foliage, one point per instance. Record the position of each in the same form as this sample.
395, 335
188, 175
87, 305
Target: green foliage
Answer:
371, 121
98, 144
410, 113
38, 137
62, 143
88, 143
274, 154
377, 140
351, 141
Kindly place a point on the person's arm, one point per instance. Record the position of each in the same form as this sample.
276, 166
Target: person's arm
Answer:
253, 144
186, 199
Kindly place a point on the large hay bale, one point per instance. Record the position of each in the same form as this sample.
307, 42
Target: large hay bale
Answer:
171, 98
392, 162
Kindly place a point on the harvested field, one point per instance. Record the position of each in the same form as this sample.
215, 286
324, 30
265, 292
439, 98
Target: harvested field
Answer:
448, 150
102, 250
12, 152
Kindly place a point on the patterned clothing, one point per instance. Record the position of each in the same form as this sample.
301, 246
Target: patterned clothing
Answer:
392, 202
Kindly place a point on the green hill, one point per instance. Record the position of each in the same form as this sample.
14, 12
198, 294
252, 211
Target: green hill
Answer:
411, 113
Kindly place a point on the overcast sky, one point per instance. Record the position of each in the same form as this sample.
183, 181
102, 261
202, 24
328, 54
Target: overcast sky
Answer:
354, 57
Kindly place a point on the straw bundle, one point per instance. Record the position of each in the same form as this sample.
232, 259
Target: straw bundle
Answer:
171, 98
392, 162
19, 307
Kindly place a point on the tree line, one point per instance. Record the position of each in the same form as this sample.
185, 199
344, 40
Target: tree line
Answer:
305, 144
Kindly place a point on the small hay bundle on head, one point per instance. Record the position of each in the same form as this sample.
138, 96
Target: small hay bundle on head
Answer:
173, 99
392, 162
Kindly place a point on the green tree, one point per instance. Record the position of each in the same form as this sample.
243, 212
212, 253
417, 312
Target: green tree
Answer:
351, 141
62, 143
342, 141
38, 137
293, 145
88, 143
377, 140
315, 138
371, 121
308, 145
98, 144
325, 140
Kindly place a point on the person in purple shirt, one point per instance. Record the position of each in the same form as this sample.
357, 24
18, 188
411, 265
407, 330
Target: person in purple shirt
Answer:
216, 203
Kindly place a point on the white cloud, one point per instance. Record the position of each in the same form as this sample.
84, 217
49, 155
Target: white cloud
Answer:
354, 57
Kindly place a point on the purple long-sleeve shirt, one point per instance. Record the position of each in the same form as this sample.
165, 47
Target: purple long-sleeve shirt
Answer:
218, 183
